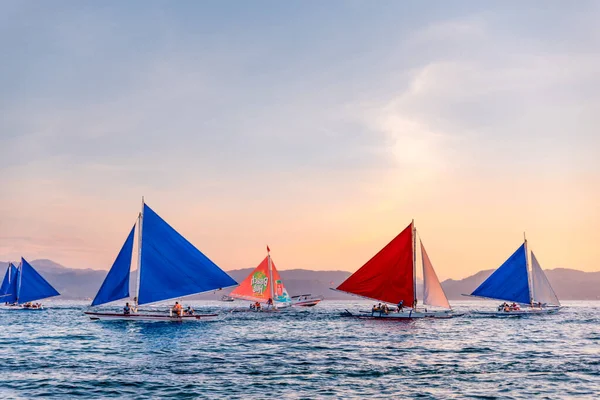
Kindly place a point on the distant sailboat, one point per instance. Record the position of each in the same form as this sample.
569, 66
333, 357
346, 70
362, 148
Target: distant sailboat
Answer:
23, 285
169, 267
511, 282
262, 284
390, 277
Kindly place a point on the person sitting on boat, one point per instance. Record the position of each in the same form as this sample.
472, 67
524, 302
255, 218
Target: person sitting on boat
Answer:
373, 309
126, 309
177, 309
401, 306
189, 310
386, 309
506, 308
515, 307
269, 303
257, 306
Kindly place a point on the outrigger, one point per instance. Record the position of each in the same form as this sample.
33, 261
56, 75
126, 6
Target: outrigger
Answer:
168, 268
390, 278
513, 282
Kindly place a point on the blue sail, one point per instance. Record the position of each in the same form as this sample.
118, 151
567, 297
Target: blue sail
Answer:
172, 267
32, 286
116, 283
509, 282
8, 289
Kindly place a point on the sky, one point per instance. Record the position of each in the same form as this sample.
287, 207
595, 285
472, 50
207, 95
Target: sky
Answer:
319, 128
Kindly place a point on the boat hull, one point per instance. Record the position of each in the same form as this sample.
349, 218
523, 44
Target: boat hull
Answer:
517, 313
307, 303
404, 315
150, 317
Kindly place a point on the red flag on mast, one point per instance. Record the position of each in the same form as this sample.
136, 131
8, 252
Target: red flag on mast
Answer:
268, 249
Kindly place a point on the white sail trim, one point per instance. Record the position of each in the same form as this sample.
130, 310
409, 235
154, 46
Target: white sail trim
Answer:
433, 293
542, 290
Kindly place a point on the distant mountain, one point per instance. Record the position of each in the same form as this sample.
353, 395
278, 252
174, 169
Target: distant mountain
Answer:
569, 284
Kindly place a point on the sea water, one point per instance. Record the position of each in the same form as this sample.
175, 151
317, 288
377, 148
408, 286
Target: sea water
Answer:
300, 354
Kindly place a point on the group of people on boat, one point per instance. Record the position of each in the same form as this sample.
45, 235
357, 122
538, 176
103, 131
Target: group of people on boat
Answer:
385, 309
509, 307
256, 306
380, 308
33, 306
176, 310
29, 305
179, 311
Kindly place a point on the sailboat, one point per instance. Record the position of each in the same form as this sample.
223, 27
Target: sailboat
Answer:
513, 282
22, 285
390, 278
264, 284
168, 268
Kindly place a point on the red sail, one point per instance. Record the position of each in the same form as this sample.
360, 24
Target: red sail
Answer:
389, 275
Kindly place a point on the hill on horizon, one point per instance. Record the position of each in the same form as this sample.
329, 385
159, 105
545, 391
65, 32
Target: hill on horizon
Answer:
72, 283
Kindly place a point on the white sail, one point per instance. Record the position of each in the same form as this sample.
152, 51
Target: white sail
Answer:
433, 294
542, 291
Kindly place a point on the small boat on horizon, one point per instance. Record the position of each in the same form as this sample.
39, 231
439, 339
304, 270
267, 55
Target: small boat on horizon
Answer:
390, 278
263, 287
227, 298
23, 285
306, 300
168, 268
514, 282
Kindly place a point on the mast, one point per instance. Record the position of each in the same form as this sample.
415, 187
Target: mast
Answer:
271, 283
528, 273
414, 249
139, 260
20, 279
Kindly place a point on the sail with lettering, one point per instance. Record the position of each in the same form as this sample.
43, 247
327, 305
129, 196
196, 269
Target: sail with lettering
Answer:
263, 283
542, 290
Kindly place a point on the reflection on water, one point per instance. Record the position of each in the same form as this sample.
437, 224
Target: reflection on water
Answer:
300, 353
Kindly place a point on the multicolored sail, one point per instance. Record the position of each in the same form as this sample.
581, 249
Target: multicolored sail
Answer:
510, 282
388, 276
257, 286
542, 290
